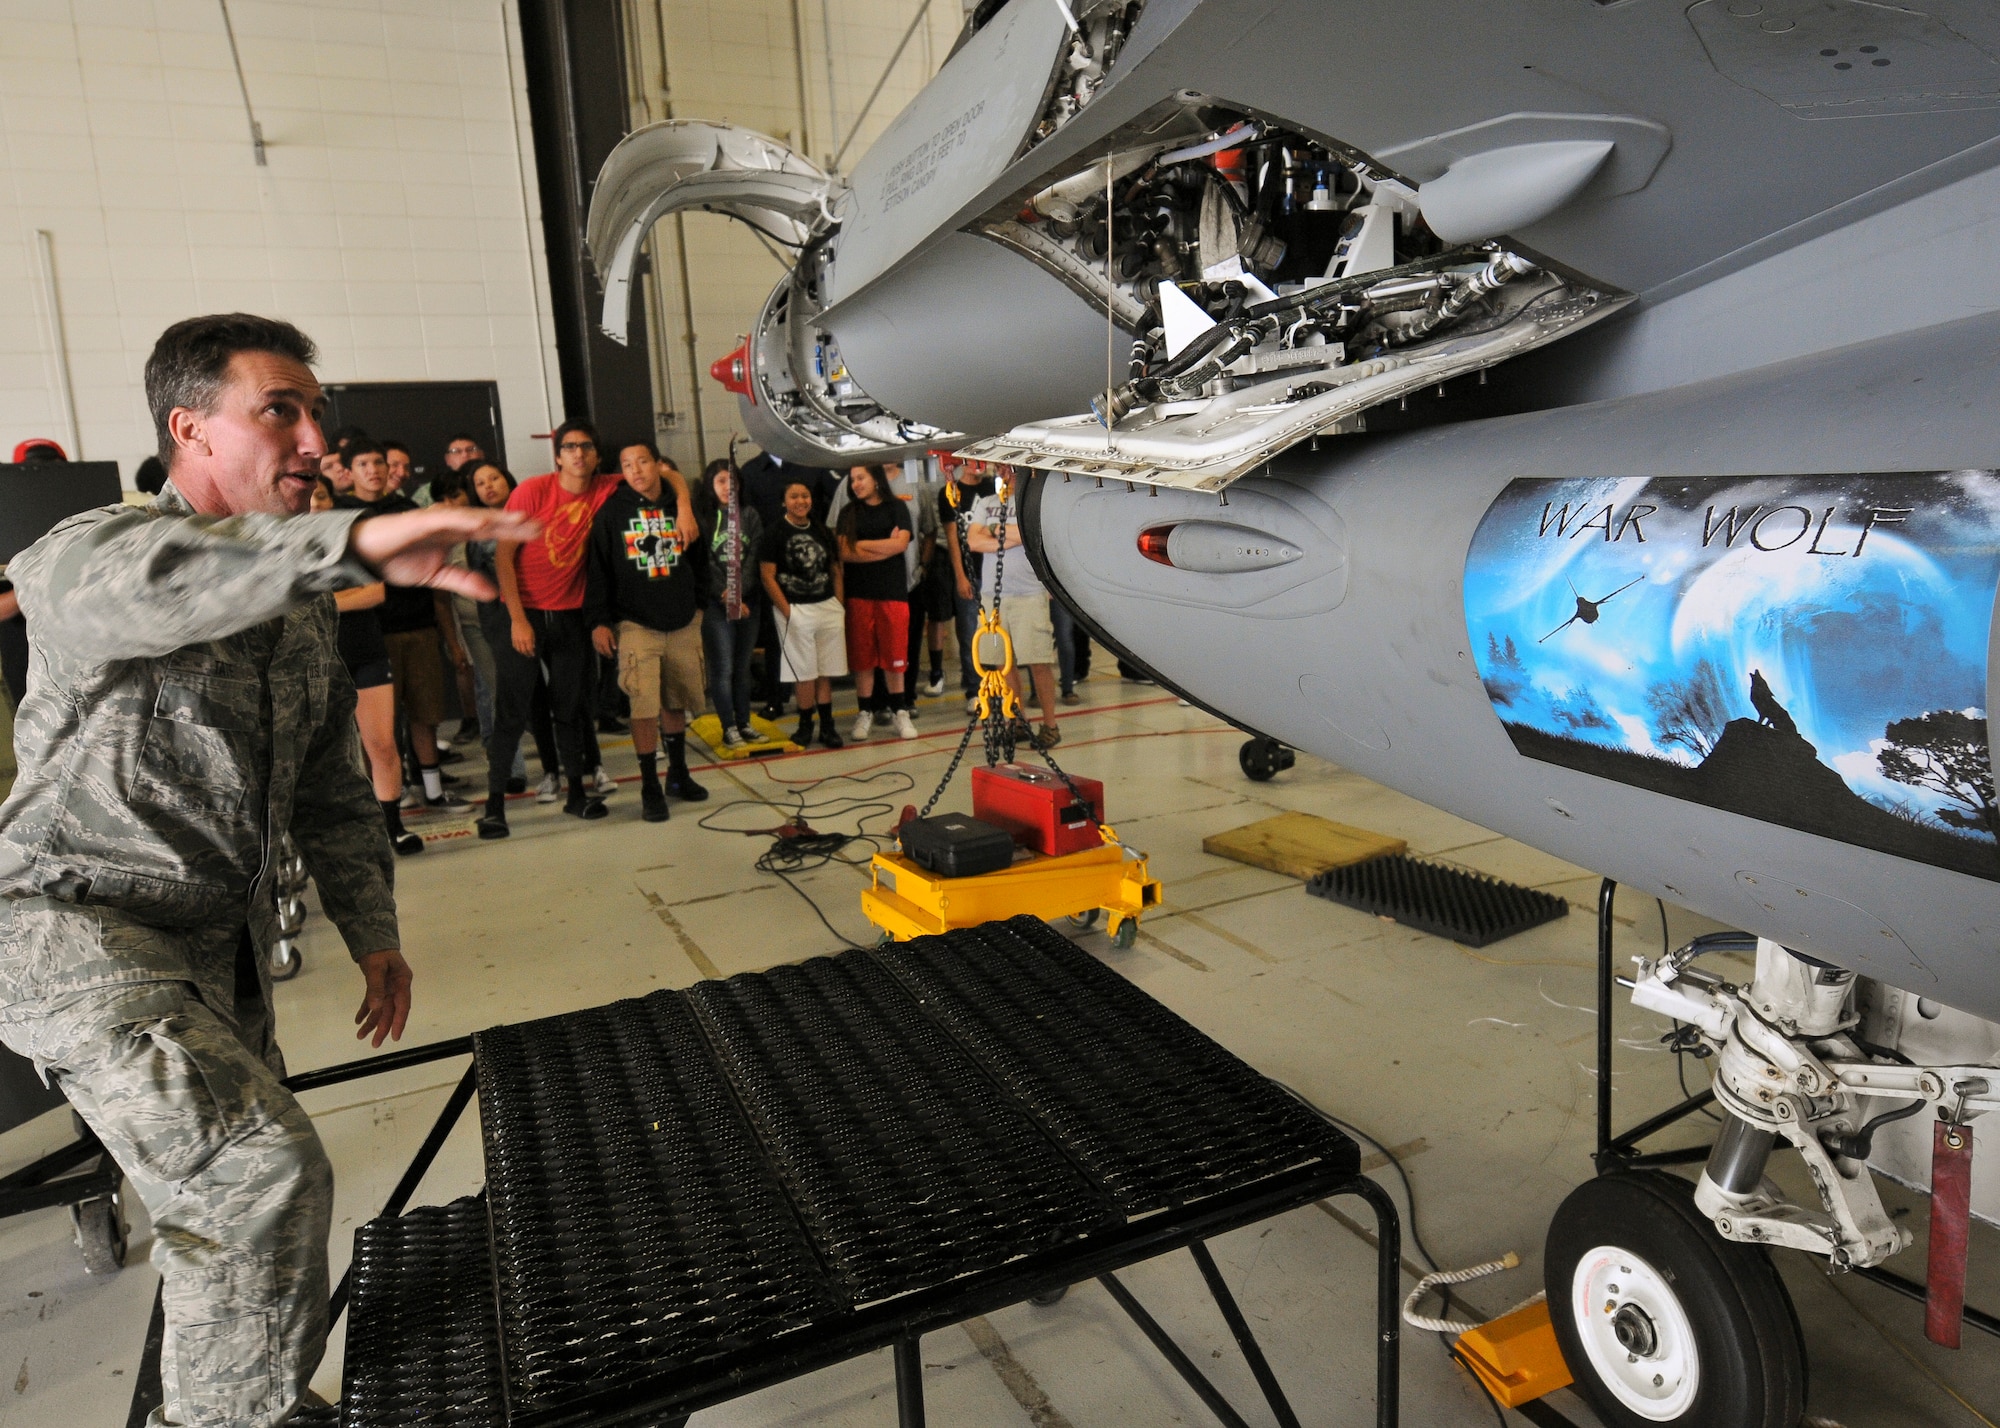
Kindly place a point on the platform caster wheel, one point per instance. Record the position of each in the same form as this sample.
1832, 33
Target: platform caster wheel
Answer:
1261, 759
1126, 935
286, 961
1084, 921
1661, 1319
99, 1230
1043, 1298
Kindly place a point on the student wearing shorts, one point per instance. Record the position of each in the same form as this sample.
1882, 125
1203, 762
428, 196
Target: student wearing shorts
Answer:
800, 567
358, 639
1024, 602
642, 602
874, 532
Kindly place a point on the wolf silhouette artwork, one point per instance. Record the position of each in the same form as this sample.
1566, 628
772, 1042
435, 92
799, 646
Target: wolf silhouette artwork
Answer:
1769, 710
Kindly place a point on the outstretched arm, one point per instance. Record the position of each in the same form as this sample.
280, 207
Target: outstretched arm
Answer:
111, 585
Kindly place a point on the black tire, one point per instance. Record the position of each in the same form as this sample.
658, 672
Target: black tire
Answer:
1727, 1310
287, 961
1084, 921
100, 1234
1126, 935
1256, 760
1043, 1298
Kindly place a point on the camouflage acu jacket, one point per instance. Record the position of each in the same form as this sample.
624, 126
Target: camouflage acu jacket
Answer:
185, 706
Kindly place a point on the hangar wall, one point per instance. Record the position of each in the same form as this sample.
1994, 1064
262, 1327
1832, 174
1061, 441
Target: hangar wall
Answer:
395, 221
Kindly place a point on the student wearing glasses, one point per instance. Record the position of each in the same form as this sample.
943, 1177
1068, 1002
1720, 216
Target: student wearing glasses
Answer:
542, 586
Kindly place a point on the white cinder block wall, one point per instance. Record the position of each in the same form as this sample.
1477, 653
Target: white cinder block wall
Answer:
396, 222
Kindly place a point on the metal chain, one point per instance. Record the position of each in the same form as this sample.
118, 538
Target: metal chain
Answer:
945, 782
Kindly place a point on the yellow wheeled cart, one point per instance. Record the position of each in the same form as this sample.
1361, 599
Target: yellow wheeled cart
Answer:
907, 901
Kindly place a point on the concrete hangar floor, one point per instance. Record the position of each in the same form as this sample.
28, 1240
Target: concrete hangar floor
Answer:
1473, 1066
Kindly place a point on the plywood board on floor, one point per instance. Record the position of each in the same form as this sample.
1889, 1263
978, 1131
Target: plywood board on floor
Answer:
1300, 845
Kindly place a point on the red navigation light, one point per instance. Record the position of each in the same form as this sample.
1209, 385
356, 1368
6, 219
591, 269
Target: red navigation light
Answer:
1153, 544
733, 372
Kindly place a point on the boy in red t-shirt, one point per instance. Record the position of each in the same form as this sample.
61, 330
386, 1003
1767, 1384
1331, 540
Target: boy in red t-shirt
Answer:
542, 585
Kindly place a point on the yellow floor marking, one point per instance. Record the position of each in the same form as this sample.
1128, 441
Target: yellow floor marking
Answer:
1014, 1374
1231, 938
688, 944
1375, 1159
1172, 951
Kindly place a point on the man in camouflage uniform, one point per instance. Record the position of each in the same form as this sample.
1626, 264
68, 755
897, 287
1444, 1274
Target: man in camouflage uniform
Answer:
185, 707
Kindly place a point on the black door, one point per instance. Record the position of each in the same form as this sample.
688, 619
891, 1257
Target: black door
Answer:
424, 416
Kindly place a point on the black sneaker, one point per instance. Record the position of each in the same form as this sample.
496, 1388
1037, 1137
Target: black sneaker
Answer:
408, 845
829, 737
803, 735
652, 803
450, 756
517, 785
447, 803
773, 712
682, 786
588, 809
491, 827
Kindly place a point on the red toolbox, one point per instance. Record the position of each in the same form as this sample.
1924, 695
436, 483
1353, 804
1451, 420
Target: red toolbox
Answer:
1037, 808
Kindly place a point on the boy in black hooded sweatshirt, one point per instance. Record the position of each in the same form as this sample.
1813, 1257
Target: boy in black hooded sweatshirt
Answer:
642, 601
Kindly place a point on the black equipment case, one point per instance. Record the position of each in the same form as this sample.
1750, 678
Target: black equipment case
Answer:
953, 845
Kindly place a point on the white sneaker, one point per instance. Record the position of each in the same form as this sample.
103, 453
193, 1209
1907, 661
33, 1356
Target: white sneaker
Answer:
604, 785
550, 788
732, 739
906, 727
864, 724
936, 686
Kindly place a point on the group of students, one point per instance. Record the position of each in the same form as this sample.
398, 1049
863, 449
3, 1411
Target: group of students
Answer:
831, 575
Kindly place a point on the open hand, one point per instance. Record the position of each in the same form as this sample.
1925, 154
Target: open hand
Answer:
413, 548
386, 1006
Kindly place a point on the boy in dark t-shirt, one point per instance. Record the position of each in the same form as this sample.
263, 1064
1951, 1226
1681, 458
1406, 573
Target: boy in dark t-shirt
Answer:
874, 531
800, 566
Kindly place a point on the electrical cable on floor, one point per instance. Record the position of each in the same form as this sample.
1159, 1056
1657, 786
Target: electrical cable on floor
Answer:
1416, 1235
798, 847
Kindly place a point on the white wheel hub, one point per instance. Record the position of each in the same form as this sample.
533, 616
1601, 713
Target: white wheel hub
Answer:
1637, 1336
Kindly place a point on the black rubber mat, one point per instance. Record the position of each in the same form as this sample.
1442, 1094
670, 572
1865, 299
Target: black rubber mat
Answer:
637, 1224
421, 1346
908, 1164
1157, 1112
675, 1178
1445, 901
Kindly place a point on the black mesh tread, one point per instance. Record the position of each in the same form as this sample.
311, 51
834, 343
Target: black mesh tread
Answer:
421, 1347
907, 1163
1437, 898
1157, 1112
637, 1225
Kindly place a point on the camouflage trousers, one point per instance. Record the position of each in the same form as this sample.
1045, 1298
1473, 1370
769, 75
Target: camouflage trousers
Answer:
229, 1168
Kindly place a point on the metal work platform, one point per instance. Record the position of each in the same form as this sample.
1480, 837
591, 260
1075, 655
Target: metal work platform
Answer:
697, 1194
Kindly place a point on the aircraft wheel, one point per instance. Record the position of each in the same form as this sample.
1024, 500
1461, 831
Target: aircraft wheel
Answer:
1662, 1320
1261, 758
100, 1234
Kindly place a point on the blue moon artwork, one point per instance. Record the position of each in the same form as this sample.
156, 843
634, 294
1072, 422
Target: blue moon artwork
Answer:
1811, 651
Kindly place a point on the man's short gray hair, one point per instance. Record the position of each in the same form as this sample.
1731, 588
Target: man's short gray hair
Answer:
191, 358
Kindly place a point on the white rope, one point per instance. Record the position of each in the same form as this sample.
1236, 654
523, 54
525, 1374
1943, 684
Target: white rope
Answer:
1509, 1260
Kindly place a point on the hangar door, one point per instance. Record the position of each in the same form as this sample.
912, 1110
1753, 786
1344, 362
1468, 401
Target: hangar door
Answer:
422, 415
